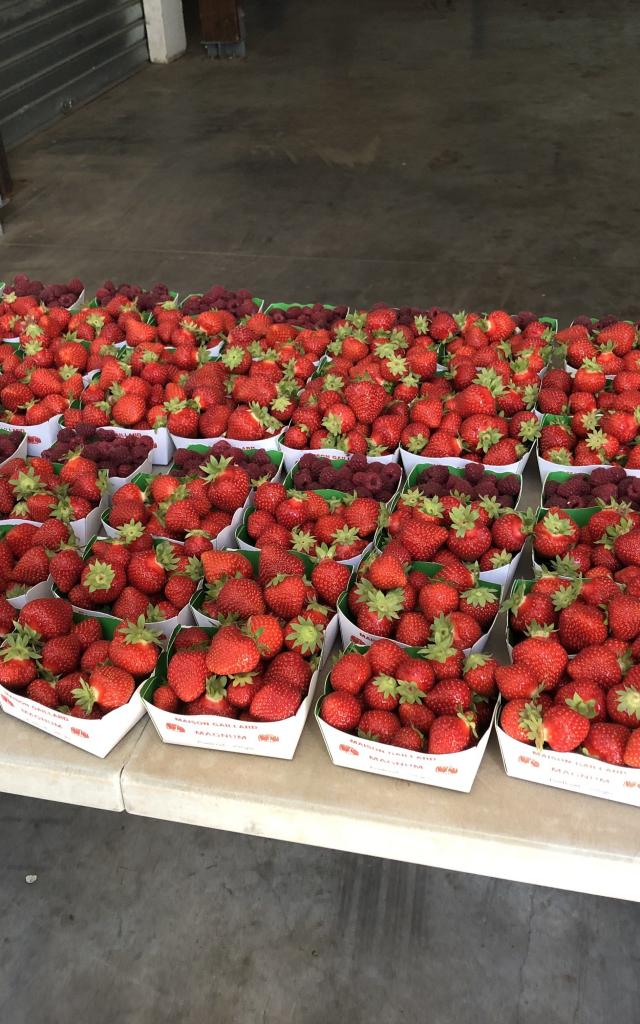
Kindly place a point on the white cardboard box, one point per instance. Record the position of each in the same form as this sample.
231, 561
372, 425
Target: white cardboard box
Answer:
448, 771
265, 739
574, 772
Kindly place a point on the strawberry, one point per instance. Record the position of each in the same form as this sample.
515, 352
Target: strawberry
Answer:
341, 711
61, 654
291, 668
607, 742
285, 595
87, 631
43, 692
409, 737
48, 616
588, 699
562, 728
66, 569
581, 625
450, 734
448, 696
378, 725
545, 658
187, 674
624, 616
274, 702
108, 686
33, 567
267, 633
232, 653
367, 399
216, 564
165, 699
623, 705
516, 716
241, 598
134, 648
632, 750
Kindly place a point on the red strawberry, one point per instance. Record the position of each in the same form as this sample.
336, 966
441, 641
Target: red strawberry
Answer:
632, 750
607, 741
450, 734
562, 728
341, 710
285, 595
232, 653
108, 686
274, 702
48, 616
135, 648
623, 705
187, 674
378, 725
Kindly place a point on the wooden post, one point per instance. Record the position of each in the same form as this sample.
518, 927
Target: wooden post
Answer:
219, 21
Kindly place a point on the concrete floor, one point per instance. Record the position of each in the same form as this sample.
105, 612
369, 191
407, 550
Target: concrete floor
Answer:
449, 151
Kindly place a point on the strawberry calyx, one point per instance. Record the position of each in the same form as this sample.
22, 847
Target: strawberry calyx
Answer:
138, 633
100, 576
587, 708
304, 635
130, 531
408, 693
386, 686
85, 696
628, 700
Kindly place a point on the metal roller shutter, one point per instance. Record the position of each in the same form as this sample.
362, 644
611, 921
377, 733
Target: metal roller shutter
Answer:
55, 54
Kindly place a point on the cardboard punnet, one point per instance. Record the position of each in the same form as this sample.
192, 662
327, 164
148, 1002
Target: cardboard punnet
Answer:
42, 589
21, 450
545, 466
573, 771
96, 736
201, 619
245, 543
448, 771
268, 444
39, 435
504, 574
265, 739
163, 626
289, 481
351, 633
561, 476
225, 539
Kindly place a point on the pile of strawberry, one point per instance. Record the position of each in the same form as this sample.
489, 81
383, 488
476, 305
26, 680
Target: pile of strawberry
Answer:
63, 661
248, 673
31, 489
593, 419
337, 525
129, 581
32, 393
609, 343
486, 419
27, 551
448, 612
606, 544
242, 399
389, 695
262, 336
480, 531
279, 588
574, 682
182, 507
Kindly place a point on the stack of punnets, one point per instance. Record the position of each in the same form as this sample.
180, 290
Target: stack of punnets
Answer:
201, 497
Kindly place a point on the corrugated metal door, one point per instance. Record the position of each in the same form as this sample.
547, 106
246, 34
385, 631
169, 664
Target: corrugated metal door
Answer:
55, 54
